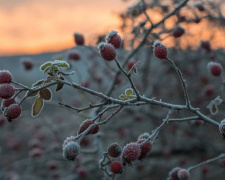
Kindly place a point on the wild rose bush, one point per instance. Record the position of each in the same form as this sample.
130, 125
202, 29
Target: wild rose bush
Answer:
125, 109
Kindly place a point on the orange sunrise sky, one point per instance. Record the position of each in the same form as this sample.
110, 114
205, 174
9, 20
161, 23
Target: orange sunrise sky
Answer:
35, 26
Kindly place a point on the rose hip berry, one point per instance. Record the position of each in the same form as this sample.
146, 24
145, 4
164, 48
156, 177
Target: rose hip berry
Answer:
215, 68
114, 39
5, 77
159, 50
79, 39
145, 149
178, 31
74, 56
131, 152
107, 51
71, 150
173, 174
28, 64
183, 174
13, 111
116, 167
114, 150
6, 91
85, 124
7, 103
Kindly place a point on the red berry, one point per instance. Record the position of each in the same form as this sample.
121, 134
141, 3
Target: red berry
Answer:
82, 172
206, 45
209, 91
52, 165
86, 84
27, 63
79, 39
114, 150
35, 143
145, 149
71, 151
131, 152
36, 152
159, 50
183, 174
205, 169
5, 77
130, 64
7, 103
6, 91
13, 111
85, 124
114, 39
116, 167
74, 56
119, 80
178, 31
107, 51
173, 174
215, 68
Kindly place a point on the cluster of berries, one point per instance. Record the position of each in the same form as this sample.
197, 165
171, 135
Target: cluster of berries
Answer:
178, 174
108, 48
9, 106
71, 146
131, 152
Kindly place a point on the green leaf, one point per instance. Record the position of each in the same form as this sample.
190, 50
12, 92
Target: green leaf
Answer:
37, 106
47, 69
129, 92
45, 65
59, 63
46, 94
123, 97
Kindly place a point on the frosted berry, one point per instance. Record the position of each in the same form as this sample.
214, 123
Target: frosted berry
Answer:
178, 31
222, 128
7, 103
131, 152
82, 172
183, 174
114, 39
215, 68
74, 56
107, 51
79, 39
159, 50
85, 124
68, 140
114, 150
6, 91
5, 77
173, 174
145, 149
71, 150
116, 167
13, 111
